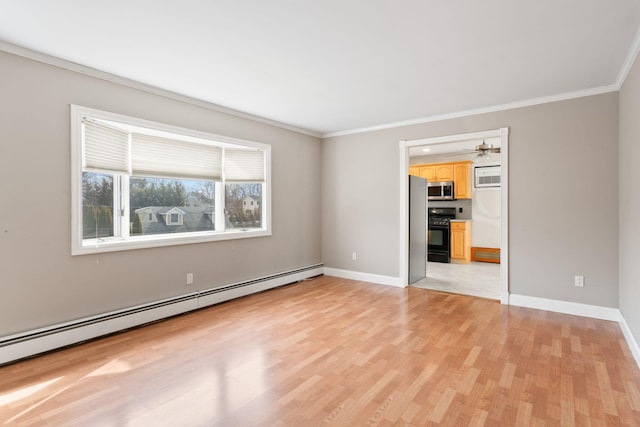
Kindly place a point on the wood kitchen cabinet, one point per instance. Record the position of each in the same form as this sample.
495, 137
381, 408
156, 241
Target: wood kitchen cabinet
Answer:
458, 172
461, 242
428, 172
438, 172
443, 172
462, 179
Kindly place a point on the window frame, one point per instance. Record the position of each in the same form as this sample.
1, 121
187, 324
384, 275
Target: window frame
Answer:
123, 241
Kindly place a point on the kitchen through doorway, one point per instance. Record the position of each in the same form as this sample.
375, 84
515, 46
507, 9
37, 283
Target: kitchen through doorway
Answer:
477, 212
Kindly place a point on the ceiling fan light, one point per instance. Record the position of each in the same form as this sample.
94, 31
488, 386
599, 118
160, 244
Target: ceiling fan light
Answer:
486, 156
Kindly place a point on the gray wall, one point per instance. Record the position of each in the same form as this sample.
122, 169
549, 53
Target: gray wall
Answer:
563, 164
42, 284
629, 179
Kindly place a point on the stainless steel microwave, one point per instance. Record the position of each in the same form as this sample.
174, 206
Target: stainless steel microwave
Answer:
440, 190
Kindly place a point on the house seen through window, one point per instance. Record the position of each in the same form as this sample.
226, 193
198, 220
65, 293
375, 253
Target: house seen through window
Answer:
142, 185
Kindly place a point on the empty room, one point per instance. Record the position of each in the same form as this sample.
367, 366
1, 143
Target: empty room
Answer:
298, 213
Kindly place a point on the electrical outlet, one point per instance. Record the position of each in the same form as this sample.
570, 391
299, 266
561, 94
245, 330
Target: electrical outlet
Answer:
189, 278
354, 256
579, 281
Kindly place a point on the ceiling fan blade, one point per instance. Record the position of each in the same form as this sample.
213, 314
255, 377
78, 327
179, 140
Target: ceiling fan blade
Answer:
489, 150
464, 153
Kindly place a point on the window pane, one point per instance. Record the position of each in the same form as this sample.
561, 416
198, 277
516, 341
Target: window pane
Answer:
164, 205
243, 204
97, 205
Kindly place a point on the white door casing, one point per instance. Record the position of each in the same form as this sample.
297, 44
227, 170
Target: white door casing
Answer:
404, 146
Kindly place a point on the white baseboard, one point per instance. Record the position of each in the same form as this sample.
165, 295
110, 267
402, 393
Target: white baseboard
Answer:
566, 307
33, 342
364, 277
631, 340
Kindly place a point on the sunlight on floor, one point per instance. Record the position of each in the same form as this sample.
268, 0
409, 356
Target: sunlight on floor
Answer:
29, 394
24, 392
115, 366
33, 390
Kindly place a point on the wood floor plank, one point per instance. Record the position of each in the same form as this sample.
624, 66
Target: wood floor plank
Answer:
337, 352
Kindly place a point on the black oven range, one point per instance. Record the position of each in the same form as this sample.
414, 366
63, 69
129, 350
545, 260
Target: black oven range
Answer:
438, 232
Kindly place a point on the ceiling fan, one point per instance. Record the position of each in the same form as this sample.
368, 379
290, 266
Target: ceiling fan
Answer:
483, 150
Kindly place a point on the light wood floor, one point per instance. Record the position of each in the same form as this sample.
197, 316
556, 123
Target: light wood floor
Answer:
337, 352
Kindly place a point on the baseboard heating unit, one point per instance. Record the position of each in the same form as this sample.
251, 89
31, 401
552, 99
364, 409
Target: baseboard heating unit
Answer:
33, 342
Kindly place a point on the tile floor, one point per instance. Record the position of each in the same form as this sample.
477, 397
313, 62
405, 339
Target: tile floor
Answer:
480, 279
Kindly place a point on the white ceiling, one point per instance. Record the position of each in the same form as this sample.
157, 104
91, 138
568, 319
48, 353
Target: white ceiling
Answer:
334, 65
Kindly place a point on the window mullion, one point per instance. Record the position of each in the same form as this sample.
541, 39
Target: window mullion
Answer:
119, 228
219, 206
124, 207
116, 205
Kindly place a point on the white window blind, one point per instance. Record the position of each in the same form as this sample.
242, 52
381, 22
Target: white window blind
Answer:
243, 165
105, 149
163, 157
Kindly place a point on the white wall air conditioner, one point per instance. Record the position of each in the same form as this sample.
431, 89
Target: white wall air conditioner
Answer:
487, 176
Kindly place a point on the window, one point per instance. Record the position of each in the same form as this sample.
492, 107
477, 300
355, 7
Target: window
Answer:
139, 184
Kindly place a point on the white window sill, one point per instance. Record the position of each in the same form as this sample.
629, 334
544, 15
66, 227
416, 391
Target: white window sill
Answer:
113, 244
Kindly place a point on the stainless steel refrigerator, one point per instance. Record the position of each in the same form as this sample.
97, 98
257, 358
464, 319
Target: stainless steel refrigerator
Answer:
417, 228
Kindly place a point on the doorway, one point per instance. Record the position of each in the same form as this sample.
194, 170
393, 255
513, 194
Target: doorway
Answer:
451, 140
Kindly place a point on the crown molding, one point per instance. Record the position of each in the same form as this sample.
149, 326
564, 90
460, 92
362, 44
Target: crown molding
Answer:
476, 111
92, 72
628, 63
